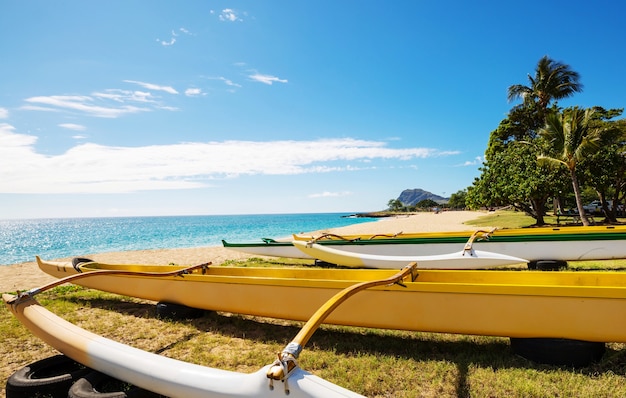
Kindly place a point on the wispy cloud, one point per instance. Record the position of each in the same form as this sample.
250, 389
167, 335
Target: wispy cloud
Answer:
167, 43
109, 103
229, 15
152, 86
81, 104
4, 113
327, 194
174, 34
266, 79
92, 168
73, 126
476, 161
229, 82
121, 96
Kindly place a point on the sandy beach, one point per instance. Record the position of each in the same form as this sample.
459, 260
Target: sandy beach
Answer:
27, 275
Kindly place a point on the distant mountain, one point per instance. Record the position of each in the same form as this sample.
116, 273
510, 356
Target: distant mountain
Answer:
410, 197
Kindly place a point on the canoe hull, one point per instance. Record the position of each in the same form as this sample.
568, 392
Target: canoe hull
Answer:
466, 259
568, 244
570, 305
166, 376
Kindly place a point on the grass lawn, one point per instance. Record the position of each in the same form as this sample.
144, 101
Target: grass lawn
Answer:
375, 363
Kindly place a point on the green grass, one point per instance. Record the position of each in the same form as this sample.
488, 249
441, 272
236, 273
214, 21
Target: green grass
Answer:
375, 363
503, 219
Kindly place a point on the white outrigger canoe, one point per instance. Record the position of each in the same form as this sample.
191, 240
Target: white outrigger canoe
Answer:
570, 243
465, 259
175, 378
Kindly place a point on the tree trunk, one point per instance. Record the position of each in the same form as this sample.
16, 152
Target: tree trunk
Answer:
579, 202
557, 205
539, 210
609, 214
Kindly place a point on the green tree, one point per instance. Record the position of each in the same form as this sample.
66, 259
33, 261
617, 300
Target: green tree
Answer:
426, 204
457, 199
511, 176
395, 205
552, 81
567, 138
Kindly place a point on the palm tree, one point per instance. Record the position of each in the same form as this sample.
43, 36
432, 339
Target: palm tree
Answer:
552, 81
568, 138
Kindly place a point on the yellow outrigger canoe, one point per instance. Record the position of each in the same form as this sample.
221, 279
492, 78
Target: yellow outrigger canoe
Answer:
572, 305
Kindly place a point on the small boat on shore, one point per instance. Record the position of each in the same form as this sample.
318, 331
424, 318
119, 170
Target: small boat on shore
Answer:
465, 259
533, 244
570, 305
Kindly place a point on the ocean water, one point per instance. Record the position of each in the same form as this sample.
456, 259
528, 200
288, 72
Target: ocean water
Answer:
22, 240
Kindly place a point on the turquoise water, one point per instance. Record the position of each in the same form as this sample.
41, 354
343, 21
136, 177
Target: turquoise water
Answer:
21, 240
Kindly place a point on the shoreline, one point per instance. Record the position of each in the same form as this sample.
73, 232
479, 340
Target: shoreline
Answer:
27, 275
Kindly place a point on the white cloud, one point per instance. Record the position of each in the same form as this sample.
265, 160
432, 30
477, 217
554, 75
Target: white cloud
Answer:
477, 161
172, 40
110, 103
267, 79
72, 126
194, 92
151, 86
4, 113
229, 82
79, 103
167, 43
327, 194
92, 168
229, 15
118, 95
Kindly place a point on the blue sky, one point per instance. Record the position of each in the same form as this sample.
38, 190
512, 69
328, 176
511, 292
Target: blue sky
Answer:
131, 108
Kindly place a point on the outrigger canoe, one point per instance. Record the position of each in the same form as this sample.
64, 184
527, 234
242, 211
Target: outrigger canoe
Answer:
175, 378
465, 259
533, 244
468, 258
572, 305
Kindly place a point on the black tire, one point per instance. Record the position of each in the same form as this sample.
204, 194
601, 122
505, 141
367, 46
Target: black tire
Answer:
560, 352
547, 265
324, 264
49, 377
177, 311
99, 385
551, 265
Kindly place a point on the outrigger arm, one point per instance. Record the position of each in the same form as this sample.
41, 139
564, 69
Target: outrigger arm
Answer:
286, 363
25, 295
